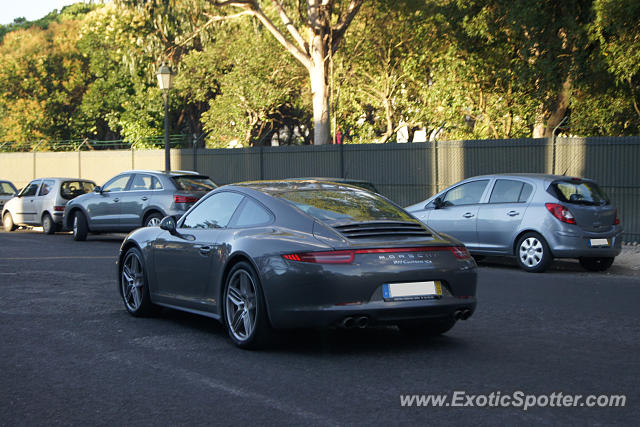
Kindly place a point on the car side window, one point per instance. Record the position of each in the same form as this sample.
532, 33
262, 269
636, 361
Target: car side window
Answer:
145, 182
466, 194
527, 189
506, 191
47, 186
31, 189
251, 215
119, 183
214, 212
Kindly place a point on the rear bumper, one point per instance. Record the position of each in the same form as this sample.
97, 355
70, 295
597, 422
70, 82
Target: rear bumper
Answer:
575, 243
377, 312
300, 294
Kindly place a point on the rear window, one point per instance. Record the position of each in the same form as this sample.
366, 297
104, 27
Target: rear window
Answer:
71, 189
579, 192
6, 189
344, 204
194, 183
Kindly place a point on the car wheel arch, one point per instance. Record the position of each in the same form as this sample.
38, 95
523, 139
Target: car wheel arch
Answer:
72, 213
521, 233
234, 259
150, 211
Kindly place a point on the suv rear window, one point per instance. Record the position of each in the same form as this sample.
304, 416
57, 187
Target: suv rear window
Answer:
72, 189
194, 183
344, 204
579, 192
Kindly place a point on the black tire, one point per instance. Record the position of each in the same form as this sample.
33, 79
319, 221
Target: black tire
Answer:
48, 226
80, 227
154, 218
432, 327
533, 253
134, 284
596, 263
7, 222
241, 310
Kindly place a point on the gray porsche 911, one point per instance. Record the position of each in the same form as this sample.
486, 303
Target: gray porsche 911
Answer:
293, 254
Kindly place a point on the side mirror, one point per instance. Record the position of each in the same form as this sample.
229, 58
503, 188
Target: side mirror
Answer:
97, 189
168, 223
438, 203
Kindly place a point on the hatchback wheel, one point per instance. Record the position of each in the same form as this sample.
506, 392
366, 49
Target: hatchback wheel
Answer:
7, 222
80, 228
533, 253
596, 263
48, 226
134, 285
244, 308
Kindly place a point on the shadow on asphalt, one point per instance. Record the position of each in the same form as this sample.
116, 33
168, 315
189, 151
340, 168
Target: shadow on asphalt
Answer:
313, 341
558, 265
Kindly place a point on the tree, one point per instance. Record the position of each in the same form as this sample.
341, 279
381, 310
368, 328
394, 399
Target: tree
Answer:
325, 23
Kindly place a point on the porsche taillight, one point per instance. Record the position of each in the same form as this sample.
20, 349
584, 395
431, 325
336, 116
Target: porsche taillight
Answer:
346, 257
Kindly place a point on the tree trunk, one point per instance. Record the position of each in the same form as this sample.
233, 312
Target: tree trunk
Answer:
547, 119
320, 91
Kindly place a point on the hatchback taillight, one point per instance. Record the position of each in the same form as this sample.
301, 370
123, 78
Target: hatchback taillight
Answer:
58, 208
617, 220
184, 199
561, 212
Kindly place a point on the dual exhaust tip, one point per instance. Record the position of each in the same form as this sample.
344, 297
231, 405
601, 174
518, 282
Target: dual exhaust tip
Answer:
361, 322
355, 322
462, 314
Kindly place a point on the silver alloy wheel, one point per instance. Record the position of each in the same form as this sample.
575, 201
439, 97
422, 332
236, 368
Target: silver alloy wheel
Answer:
75, 225
531, 252
47, 224
241, 306
132, 281
153, 222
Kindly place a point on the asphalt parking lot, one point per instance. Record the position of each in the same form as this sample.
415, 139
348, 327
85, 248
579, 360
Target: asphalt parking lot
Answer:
71, 355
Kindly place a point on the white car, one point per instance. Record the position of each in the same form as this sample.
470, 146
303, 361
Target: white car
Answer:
42, 202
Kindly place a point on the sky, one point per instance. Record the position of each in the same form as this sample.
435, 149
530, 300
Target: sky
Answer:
30, 9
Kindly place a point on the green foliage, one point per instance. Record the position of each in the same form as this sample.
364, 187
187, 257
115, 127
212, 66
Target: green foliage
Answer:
484, 69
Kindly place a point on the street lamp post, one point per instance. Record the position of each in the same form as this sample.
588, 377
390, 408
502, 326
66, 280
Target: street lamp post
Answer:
165, 80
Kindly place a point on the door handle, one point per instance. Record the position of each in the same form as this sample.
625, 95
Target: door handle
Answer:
144, 198
468, 215
204, 249
116, 200
513, 213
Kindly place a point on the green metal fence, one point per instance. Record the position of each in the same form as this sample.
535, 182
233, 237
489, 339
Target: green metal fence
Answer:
406, 173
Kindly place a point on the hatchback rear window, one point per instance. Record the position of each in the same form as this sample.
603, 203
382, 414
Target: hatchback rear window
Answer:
344, 204
6, 189
71, 189
194, 183
579, 192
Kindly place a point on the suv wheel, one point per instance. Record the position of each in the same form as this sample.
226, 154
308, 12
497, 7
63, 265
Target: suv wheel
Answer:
80, 227
153, 220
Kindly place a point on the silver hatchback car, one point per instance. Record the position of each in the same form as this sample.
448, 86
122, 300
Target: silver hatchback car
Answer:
533, 217
133, 199
42, 202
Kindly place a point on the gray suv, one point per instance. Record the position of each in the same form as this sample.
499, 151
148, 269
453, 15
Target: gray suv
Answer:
533, 217
134, 199
42, 202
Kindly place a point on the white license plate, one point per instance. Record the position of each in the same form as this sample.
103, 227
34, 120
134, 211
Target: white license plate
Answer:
411, 290
598, 242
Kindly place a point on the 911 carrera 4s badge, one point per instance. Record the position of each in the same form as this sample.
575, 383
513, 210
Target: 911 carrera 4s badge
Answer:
406, 259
